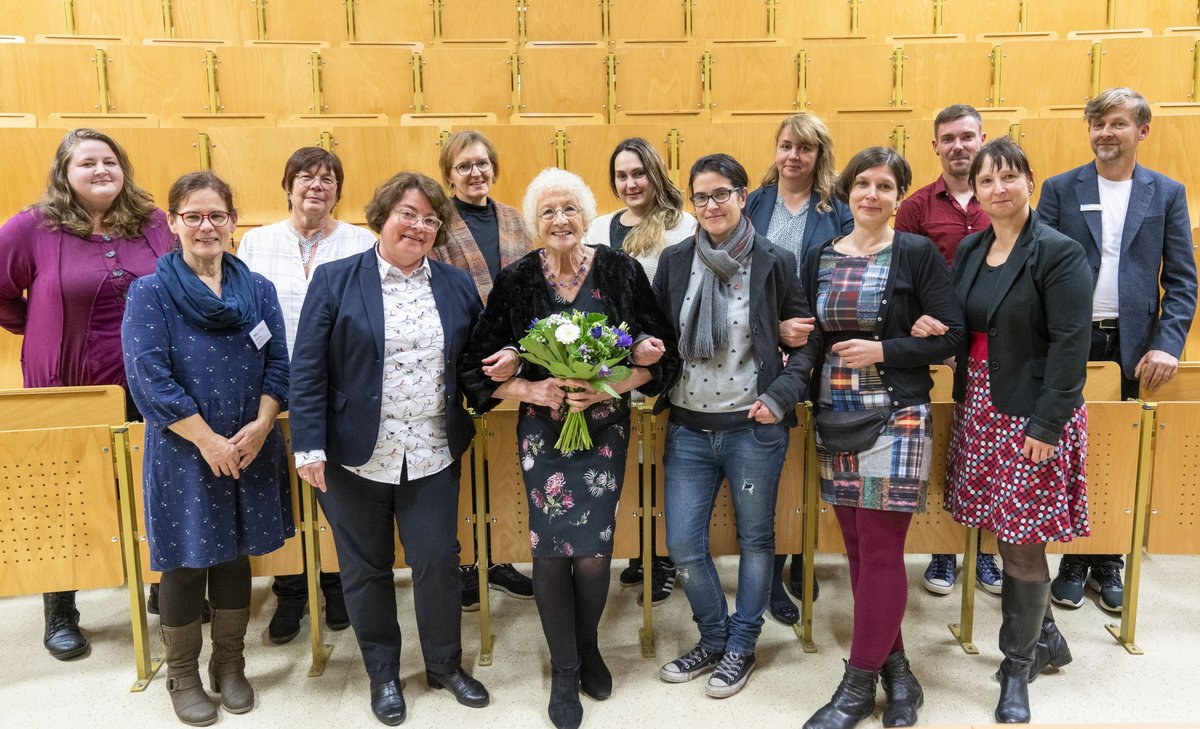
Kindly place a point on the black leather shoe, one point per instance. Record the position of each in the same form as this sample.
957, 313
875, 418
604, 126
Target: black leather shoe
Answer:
387, 702
62, 638
285, 624
466, 689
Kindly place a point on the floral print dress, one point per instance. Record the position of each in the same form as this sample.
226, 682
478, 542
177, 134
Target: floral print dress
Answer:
573, 497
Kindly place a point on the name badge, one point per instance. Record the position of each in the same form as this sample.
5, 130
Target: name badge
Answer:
1091, 208
260, 335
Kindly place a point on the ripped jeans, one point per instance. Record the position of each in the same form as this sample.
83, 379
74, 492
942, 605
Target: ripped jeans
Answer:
694, 464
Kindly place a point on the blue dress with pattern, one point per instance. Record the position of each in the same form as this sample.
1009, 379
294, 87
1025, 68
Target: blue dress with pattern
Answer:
177, 369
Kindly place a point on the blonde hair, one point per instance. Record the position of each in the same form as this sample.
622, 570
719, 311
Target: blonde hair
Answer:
809, 129
648, 237
61, 209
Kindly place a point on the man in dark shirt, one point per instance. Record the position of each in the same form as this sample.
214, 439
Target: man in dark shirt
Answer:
946, 211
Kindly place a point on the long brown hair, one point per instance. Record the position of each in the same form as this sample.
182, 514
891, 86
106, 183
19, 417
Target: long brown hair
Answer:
62, 209
648, 237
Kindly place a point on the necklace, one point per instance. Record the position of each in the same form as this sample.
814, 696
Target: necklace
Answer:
551, 279
307, 245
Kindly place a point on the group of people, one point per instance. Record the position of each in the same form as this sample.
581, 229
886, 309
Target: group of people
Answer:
800, 290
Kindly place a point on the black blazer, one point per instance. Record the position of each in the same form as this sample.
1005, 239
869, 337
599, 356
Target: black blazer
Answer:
775, 295
521, 295
337, 363
918, 283
1039, 325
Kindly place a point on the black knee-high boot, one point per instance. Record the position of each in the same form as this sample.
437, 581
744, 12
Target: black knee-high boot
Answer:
1052, 648
1023, 606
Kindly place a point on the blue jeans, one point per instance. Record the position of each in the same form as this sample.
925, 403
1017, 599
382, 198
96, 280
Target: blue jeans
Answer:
694, 463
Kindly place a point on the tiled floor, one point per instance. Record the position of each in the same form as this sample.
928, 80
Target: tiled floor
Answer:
1104, 684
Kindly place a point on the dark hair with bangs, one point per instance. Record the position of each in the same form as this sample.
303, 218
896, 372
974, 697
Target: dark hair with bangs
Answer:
1002, 152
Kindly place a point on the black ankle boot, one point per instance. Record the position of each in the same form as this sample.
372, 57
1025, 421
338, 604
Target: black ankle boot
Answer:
853, 701
904, 694
1023, 607
565, 710
62, 637
595, 680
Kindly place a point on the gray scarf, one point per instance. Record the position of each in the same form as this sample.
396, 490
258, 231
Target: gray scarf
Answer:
708, 314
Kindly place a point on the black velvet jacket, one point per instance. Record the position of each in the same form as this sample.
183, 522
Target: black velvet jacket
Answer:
521, 295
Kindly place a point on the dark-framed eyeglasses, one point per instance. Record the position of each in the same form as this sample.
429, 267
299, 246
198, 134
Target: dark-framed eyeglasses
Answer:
195, 220
464, 168
719, 195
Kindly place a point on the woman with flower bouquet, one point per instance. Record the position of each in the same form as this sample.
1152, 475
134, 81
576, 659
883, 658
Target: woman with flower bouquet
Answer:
589, 330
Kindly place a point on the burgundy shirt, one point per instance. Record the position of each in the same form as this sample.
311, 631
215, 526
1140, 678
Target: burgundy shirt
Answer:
935, 214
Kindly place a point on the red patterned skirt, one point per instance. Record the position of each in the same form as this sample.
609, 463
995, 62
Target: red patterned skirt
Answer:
992, 485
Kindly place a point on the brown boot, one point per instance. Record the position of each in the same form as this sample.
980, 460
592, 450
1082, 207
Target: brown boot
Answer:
227, 666
191, 704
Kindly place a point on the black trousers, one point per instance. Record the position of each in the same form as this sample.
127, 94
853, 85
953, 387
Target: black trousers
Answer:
364, 515
1106, 347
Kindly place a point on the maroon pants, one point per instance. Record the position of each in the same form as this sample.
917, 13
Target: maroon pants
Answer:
875, 547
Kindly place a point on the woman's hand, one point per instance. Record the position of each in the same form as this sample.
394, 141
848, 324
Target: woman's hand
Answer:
1038, 451
858, 353
314, 473
501, 366
760, 413
221, 455
586, 397
547, 393
647, 352
927, 326
249, 440
794, 332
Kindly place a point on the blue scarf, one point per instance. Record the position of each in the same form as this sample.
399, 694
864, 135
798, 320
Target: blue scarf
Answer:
236, 307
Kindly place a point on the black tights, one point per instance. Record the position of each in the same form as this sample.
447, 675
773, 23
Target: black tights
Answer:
181, 592
570, 593
1025, 562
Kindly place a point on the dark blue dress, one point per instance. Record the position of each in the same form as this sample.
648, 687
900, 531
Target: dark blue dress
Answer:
177, 369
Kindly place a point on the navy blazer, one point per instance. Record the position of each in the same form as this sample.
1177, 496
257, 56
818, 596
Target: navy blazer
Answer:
1038, 326
819, 228
775, 295
1156, 249
337, 364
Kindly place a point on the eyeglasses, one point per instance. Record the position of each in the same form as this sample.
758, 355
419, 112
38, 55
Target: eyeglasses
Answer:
410, 218
550, 214
325, 181
195, 220
719, 195
464, 169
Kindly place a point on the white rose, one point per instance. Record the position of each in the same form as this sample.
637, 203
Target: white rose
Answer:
566, 333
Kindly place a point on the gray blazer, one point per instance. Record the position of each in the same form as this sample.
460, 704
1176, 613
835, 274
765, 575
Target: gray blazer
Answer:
1156, 249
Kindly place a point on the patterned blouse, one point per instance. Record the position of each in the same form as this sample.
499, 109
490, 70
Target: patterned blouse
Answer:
412, 423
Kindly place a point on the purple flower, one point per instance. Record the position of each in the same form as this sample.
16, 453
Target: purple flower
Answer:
606, 451
554, 484
536, 497
534, 539
623, 339
534, 323
596, 294
583, 351
567, 549
568, 501
597, 332
604, 371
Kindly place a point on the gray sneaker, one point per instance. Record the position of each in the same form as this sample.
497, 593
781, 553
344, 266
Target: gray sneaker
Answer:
689, 665
731, 675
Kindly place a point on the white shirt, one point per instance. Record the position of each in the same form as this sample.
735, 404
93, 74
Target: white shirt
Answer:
412, 423
1114, 203
274, 251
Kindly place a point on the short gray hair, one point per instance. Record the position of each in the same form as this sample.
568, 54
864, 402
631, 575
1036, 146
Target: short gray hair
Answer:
1109, 99
554, 179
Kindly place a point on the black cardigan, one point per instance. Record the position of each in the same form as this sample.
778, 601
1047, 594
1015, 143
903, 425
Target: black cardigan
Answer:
918, 283
1039, 325
521, 295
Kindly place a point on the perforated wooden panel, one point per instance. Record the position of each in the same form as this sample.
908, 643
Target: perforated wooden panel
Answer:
1114, 430
509, 503
722, 535
1174, 524
58, 511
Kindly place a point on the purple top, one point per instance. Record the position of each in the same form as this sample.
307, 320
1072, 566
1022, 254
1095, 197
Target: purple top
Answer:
71, 317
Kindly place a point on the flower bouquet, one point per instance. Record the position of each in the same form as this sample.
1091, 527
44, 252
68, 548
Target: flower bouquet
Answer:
578, 346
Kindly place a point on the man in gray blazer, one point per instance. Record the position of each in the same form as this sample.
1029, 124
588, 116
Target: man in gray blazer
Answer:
1133, 223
